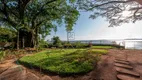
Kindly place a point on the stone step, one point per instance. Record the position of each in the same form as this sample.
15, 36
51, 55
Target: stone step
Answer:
122, 62
120, 58
126, 71
123, 66
126, 77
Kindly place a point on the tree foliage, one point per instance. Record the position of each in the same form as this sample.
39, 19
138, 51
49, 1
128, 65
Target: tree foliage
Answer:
115, 11
6, 34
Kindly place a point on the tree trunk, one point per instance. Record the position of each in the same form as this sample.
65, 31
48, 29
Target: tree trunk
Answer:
33, 40
18, 39
23, 40
36, 38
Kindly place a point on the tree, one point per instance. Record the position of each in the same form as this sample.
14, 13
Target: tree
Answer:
37, 16
12, 14
56, 41
49, 16
115, 11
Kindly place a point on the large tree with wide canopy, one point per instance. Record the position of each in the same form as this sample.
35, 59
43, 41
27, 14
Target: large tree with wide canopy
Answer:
37, 16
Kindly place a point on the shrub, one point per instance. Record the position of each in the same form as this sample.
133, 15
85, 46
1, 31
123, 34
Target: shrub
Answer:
67, 45
42, 44
75, 45
78, 44
56, 42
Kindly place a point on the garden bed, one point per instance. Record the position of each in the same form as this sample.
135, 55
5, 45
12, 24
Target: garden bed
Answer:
65, 61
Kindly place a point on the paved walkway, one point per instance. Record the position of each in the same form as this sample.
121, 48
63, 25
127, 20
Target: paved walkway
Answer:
128, 64
125, 70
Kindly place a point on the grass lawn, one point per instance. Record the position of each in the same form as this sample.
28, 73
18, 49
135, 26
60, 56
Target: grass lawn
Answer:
67, 61
102, 47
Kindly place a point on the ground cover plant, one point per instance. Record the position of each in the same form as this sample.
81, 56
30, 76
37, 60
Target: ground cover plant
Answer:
65, 61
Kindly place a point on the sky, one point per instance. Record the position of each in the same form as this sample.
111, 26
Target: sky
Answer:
96, 29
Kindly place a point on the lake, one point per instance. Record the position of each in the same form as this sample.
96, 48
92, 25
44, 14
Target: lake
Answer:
129, 44
133, 44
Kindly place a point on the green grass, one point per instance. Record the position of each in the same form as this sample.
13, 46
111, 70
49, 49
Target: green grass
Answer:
102, 47
68, 61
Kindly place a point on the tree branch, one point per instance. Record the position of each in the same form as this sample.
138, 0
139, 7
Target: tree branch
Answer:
109, 2
40, 10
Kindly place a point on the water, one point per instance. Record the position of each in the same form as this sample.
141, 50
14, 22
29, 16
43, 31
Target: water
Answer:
128, 44
106, 42
133, 44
